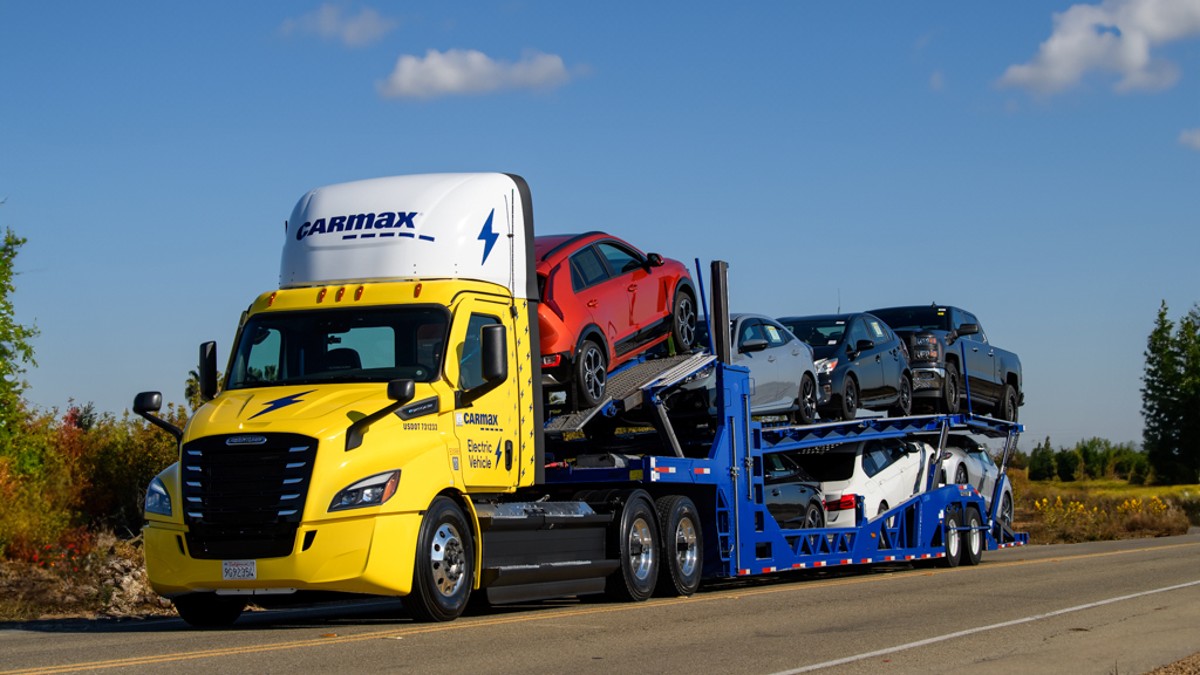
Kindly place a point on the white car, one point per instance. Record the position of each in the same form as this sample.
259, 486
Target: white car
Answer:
968, 461
883, 472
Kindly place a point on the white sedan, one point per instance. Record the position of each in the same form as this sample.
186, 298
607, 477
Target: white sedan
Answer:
884, 473
968, 461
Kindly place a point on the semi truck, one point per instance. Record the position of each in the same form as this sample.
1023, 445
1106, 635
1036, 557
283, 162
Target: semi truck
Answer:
380, 429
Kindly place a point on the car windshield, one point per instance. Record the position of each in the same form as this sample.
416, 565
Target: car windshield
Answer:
915, 318
829, 466
359, 345
817, 332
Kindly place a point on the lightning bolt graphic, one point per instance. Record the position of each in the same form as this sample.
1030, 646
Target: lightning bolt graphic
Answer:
282, 403
498, 444
488, 236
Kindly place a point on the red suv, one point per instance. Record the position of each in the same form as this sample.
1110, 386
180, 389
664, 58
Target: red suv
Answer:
603, 302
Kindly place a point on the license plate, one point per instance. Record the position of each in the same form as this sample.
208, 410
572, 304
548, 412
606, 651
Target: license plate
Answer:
238, 570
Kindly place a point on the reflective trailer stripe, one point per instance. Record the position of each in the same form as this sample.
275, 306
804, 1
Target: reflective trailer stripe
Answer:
665, 469
768, 570
702, 472
797, 566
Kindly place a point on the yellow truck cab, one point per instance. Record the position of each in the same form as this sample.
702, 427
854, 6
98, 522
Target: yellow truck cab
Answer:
388, 377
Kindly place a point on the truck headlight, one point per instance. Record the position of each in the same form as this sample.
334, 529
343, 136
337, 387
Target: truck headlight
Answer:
157, 499
925, 348
825, 366
371, 491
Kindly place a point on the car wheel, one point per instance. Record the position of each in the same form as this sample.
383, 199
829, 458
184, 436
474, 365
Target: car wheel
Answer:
209, 610
1006, 409
683, 322
682, 546
806, 403
972, 540
636, 544
960, 475
951, 541
903, 407
814, 516
949, 403
591, 375
1006, 510
848, 405
442, 572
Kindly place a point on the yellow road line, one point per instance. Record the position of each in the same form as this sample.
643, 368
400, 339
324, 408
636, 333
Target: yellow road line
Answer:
528, 617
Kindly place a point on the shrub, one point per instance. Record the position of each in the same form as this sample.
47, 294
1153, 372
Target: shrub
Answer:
1067, 463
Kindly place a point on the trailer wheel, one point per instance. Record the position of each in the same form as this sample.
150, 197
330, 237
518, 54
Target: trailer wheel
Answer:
972, 540
951, 541
682, 546
442, 573
636, 544
209, 610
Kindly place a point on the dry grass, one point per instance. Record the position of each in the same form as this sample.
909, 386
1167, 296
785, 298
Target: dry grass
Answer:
1054, 512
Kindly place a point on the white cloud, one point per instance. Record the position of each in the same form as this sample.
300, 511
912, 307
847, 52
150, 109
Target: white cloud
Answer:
330, 22
458, 71
1190, 138
1116, 36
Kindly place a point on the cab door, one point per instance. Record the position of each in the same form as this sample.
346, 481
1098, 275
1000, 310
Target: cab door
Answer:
487, 427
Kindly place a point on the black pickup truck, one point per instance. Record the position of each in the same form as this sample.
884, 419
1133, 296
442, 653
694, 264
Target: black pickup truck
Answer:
938, 338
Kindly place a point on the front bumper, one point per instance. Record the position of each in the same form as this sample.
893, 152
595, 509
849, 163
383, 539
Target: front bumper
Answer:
366, 554
927, 381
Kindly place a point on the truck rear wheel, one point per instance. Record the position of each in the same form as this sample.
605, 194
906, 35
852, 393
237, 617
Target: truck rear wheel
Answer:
972, 540
636, 544
682, 546
1006, 408
951, 541
442, 572
209, 610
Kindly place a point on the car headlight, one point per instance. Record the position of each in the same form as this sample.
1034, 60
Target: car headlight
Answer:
157, 499
925, 348
825, 366
371, 491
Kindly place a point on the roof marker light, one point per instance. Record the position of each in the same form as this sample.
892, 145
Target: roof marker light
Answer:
358, 293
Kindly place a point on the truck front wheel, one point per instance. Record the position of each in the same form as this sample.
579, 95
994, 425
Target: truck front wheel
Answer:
949, 403
442, 573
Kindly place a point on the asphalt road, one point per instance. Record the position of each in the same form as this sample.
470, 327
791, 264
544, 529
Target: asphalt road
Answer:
1107, 607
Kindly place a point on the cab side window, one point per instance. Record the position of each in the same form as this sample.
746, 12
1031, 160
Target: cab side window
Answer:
470, 364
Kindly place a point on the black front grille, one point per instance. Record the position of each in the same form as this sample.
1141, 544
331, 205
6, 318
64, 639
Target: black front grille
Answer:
244, 494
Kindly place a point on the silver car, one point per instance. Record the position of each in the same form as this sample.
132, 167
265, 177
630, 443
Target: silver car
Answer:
968, 461
783, 380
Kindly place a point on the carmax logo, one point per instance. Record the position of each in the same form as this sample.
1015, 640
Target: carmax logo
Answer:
245, 440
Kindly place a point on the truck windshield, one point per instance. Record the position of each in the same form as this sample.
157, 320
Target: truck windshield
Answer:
915, 318
358, 345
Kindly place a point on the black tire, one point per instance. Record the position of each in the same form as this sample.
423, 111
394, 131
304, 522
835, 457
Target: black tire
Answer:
683, 321
591, 375
951, 541
1006, 409
960, 475
904, 399
1005, 515
814, 516
682, 559
972, 540
634, 538
847, 403
443, 571
209, 610
950, 398
806, 402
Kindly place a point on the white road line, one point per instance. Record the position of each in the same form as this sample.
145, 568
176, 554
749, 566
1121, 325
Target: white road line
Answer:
972, 631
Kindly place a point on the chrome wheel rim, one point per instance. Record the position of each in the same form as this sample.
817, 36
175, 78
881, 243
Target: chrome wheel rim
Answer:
448, 560
594, 373
952, 538
687, 556
686, 316
641, 549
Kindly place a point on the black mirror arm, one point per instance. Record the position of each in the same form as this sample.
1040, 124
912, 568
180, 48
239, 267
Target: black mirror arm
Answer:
164, 425
402, 391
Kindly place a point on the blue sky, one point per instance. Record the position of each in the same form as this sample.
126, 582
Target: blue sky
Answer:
1035, 163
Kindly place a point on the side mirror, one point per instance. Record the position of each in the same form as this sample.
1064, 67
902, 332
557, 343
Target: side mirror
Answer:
654, 260
968, 329
864, 345
400, 391
749, 346
146, 404
495, 353
208, 371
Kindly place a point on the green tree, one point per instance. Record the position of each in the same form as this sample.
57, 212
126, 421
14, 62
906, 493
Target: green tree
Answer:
1068, 463
1041, 461
1171, 398
15, 349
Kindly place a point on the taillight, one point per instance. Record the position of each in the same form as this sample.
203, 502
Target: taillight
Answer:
845, 503
551, 360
